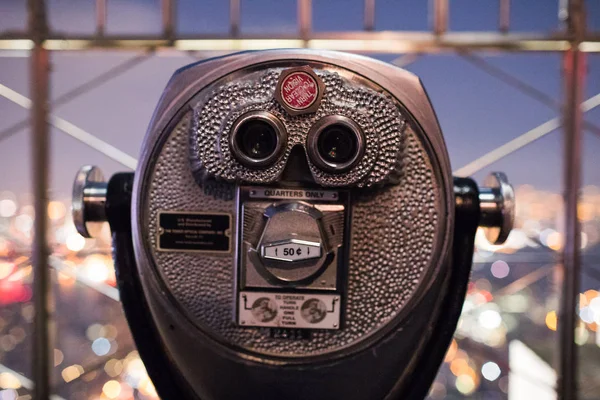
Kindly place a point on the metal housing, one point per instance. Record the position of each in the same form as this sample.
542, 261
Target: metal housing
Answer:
187, 334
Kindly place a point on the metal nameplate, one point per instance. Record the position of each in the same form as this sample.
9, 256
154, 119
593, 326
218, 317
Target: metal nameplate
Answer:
289, 310
296, 194
194, 232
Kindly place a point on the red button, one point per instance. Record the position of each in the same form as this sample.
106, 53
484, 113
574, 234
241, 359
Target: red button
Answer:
299, 90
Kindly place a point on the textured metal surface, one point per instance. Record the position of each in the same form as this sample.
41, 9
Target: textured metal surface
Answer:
394, 227
374, 112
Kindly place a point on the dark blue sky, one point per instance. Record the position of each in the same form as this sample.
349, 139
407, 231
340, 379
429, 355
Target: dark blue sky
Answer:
477, 113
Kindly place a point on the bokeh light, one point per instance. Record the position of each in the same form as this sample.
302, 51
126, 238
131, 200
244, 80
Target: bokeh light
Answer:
551, 320
490, 371
9, 381
58, 357
465, 384
75, 242
72, 372
95, 268
500, 269
490, 319
8, 208
9, 394
56, 210
111, 389
101, 346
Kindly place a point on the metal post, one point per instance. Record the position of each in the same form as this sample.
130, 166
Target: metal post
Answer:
39, 143
234, 18
168, 18
369, 15
504, 19
100, 17
439, 16
305, 18
574, 80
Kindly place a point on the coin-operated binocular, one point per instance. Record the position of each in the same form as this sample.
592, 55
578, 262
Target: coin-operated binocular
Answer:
292, 231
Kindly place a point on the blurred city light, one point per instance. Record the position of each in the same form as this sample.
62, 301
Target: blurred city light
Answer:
101, 346
75, 242
8, 208
56, 210
112, 389
490, 371
500, 269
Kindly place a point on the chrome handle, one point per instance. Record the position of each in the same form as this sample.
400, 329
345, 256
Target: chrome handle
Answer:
497, 204
89, 199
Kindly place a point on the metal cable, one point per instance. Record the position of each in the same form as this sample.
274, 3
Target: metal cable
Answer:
405, 60
520, 85
103, 288
73, 130
24, 381
521, 141
82, 89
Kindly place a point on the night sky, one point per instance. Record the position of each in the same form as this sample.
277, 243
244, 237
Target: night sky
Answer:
477, 112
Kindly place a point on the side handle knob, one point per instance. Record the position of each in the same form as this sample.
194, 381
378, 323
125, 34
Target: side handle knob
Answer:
89, 199
497, 204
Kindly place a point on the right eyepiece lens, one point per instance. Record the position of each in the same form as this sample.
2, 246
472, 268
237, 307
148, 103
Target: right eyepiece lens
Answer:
256, 139
337, 143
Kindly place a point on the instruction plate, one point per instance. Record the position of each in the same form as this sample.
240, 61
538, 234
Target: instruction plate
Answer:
289, 310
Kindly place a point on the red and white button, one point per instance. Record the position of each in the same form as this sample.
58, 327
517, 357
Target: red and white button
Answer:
299, 90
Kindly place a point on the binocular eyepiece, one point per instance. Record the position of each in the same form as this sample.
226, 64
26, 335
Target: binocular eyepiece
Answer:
293, 231
258, 139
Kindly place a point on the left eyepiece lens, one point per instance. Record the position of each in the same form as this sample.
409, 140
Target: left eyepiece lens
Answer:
258, 139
